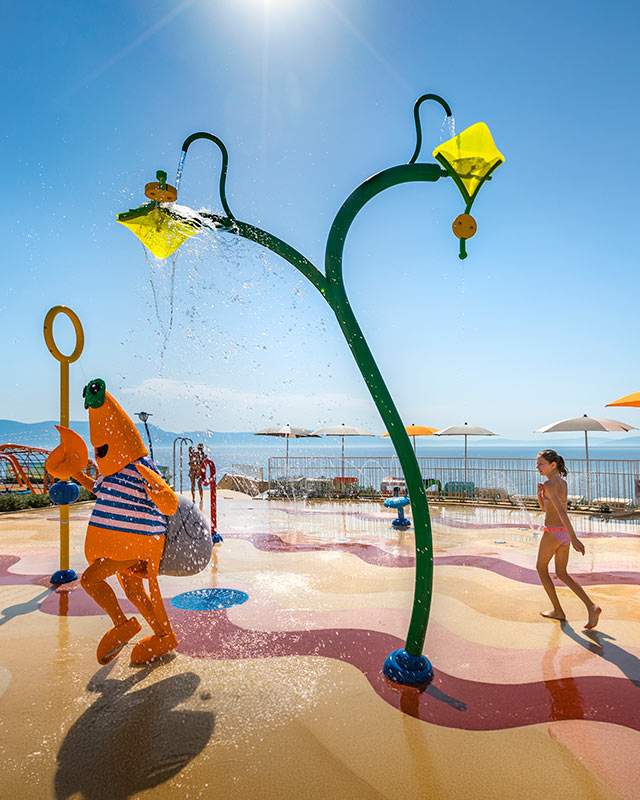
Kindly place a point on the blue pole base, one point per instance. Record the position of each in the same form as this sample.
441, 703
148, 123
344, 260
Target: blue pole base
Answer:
216, 538
63, 576
401, 667
401, 522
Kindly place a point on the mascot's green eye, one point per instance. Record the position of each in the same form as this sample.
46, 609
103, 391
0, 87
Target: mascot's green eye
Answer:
94, 393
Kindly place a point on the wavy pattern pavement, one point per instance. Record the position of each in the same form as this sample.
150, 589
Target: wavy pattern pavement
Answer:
372, 554
448, 701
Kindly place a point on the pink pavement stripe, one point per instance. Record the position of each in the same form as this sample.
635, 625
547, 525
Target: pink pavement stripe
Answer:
374, 555
371, 554
442, 646
593, 653
448, 701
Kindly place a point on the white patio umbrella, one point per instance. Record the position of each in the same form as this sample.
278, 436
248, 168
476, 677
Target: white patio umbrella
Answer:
585, 423
342, 431
286, 432
465, 430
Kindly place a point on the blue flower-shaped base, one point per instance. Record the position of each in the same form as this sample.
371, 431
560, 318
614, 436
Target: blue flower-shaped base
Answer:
209, 599
402, 667
216, 538
401, 522
63, 576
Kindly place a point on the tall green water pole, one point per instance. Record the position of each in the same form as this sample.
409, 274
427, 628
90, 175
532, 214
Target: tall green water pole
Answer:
408, 665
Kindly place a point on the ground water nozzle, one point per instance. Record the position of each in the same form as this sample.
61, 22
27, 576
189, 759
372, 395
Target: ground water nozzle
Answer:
398, 503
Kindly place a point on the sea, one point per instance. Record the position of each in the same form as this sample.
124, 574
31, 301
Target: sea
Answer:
230, 458
231, 451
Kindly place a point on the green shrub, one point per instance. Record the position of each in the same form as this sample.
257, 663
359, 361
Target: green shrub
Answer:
12, 501
9, 502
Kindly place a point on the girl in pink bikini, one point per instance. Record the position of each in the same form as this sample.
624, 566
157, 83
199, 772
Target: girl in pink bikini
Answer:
557, 536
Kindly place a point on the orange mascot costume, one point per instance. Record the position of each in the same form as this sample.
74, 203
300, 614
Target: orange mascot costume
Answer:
126, 532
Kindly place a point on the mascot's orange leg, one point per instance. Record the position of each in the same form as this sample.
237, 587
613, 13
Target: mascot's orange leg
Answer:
160, 643
134, 589
129, 556
94, 582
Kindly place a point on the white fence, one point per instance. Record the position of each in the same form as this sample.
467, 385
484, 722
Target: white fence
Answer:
248, 471
606, 482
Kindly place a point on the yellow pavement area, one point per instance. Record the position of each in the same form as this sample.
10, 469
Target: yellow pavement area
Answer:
278, 698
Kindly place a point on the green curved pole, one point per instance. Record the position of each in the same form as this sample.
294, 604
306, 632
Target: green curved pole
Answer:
331, 286
340, 304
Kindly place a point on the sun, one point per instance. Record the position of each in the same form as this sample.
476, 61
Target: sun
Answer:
269, 4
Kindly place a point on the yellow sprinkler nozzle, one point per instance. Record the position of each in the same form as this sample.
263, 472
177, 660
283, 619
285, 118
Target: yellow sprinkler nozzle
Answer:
158, 229
161, 229
470, 158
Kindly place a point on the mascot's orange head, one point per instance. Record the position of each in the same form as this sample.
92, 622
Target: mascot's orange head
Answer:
113, 434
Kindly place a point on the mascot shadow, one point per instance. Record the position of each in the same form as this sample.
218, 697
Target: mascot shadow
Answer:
131, 739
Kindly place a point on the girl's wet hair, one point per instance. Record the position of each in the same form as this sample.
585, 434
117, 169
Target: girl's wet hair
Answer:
551, 456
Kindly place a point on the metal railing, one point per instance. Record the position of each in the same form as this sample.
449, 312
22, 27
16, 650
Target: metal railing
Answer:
607, 482
248, 471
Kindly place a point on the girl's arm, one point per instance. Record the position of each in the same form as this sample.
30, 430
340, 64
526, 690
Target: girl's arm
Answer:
564, 517
541, 495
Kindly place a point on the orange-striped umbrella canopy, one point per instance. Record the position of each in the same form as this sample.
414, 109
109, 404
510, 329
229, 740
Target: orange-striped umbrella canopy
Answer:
629, 400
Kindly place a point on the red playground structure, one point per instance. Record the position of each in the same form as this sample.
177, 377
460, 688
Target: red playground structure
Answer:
210, 480
22, 469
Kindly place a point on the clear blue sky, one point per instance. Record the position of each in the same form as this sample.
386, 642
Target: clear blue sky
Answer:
312, 97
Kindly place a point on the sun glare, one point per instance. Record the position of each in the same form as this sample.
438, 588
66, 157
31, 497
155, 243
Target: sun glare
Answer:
269, 4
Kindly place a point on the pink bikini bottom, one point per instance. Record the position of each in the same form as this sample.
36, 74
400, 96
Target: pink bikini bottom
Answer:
561, 534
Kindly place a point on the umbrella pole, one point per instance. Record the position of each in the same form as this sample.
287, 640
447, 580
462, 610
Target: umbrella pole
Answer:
342, 437
465, 461
586, 447
286, 467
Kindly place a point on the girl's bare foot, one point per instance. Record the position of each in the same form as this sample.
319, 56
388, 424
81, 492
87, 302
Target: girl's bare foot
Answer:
594, 616
553, 615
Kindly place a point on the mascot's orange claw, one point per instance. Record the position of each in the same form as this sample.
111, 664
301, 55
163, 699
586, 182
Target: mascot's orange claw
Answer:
115, 639
152, 647
70, 457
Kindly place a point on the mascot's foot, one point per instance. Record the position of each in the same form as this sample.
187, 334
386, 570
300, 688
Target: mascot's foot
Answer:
115, 639
153, 647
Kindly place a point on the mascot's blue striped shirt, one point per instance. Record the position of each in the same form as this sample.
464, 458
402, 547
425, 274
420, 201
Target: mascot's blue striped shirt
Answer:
123, 505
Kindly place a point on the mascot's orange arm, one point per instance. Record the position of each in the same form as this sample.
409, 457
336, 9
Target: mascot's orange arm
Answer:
70, 457
84, 480
160, 493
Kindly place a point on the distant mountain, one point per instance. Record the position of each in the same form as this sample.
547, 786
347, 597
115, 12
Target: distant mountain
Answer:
44, 434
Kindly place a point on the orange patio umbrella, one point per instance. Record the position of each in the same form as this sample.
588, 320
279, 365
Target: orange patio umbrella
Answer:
417, 430
629, 400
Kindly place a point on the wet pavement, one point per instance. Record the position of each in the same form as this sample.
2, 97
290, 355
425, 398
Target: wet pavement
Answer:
282, 695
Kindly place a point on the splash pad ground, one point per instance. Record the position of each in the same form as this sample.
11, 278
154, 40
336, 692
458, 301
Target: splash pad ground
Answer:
282, 696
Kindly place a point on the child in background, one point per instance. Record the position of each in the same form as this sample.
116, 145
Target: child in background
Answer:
196, 460
557, 536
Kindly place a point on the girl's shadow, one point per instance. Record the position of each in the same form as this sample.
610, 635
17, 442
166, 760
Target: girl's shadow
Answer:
601, 644
131, 739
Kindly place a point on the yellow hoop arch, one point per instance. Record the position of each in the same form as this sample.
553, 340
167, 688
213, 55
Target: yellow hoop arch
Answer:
50, 341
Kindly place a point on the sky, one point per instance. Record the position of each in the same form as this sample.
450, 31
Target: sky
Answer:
311, 97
